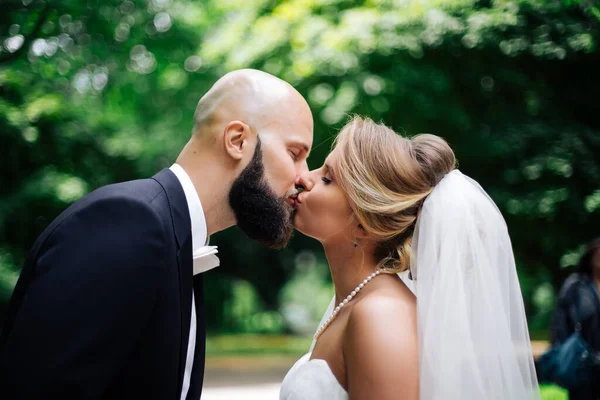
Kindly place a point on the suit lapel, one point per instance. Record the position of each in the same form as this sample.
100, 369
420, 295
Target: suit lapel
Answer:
197, 378
184, 261
183, 233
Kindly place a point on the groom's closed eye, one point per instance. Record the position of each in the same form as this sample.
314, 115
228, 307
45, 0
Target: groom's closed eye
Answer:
297, 149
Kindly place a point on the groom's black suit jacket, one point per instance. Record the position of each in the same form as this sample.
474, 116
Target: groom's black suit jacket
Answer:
102, 307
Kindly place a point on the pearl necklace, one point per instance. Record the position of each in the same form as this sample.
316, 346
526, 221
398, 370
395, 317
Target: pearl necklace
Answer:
336, 311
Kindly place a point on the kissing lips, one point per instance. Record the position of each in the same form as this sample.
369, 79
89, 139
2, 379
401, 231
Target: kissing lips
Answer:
292, 201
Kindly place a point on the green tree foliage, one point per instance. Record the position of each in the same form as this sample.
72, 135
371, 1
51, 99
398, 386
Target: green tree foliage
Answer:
93, 92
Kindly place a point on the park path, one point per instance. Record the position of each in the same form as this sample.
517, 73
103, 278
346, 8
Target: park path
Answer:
266, 391
245, 377
254, 378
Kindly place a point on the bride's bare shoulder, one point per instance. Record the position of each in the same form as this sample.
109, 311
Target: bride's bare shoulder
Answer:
383, 313
380, 347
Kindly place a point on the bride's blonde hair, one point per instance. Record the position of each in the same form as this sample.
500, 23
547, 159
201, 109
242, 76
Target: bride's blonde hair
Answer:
387, 178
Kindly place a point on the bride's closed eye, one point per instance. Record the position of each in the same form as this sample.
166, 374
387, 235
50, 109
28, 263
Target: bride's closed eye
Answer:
326, 180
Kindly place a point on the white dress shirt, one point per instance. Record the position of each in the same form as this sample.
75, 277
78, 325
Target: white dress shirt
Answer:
204, 259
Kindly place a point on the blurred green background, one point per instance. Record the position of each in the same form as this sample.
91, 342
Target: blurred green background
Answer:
94, 92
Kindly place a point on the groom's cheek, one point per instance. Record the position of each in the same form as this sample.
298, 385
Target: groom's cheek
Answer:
280, 172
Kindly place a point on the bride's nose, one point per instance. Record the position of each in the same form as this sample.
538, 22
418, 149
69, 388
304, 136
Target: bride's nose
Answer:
304, 182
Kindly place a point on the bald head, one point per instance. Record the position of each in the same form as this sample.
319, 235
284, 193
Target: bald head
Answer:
252, 134
250, 96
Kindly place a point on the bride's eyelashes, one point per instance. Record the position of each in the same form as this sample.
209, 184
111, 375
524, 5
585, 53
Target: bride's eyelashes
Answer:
326, 180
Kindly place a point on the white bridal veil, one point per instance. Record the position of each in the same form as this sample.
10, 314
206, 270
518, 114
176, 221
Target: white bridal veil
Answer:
473, 336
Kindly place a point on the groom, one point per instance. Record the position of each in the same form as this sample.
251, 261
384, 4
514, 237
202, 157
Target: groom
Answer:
109, 304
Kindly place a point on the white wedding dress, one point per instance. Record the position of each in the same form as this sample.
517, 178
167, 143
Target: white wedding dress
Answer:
473, 336
311, 380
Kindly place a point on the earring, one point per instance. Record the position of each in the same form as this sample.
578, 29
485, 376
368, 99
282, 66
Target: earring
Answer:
355, 244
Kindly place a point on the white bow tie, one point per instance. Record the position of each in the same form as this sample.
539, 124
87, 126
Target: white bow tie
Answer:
205, 259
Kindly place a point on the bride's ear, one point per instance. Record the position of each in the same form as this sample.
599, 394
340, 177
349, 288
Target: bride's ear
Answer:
360, 232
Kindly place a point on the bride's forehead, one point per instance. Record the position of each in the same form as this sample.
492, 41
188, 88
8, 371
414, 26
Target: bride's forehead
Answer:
328, 161
332, 156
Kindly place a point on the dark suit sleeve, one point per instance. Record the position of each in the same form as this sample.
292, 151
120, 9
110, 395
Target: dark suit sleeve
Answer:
92, 293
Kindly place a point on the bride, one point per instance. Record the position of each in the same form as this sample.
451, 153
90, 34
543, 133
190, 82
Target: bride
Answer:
383, 204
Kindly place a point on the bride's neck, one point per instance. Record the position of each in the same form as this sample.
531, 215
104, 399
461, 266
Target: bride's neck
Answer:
349, 267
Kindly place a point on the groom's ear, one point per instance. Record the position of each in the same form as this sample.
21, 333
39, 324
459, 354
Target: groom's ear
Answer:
236, 139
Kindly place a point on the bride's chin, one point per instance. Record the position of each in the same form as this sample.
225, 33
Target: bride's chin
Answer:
300, 226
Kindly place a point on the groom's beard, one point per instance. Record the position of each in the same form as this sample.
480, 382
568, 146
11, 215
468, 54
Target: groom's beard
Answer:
260, 213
